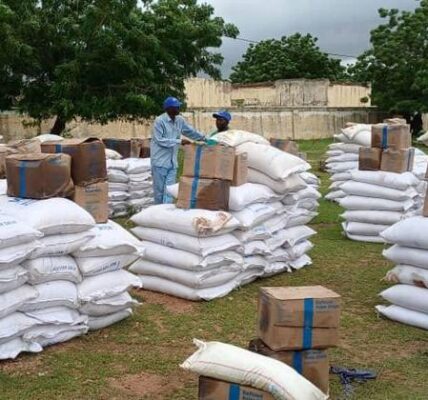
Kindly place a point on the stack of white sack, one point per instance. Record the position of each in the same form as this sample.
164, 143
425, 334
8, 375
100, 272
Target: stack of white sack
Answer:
375, 200
409, 298
130, 185
191, 253
272, 225
103, 291
51, 279
343, 156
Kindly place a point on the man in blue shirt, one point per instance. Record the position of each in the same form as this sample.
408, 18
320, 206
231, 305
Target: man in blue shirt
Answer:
166, 140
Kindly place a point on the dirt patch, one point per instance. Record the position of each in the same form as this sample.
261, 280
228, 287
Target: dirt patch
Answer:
172, 304
150, 386
24, 365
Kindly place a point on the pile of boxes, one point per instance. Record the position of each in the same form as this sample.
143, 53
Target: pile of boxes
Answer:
208, 174
73, 168
390, 149
296, 325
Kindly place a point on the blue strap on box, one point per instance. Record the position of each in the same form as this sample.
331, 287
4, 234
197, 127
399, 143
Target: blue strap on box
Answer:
384, 143
234, 392
298, 361
22, 179
58, 148
196, 172
308, 318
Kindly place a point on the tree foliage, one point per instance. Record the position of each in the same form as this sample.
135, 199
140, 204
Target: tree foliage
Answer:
397, 63
102, 60
292, 57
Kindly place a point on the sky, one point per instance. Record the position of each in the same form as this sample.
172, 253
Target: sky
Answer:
342, 26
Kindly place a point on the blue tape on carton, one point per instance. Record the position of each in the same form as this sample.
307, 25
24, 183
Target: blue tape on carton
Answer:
195, 183
308, 318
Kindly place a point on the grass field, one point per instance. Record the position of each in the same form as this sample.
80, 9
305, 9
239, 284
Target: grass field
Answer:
139, 358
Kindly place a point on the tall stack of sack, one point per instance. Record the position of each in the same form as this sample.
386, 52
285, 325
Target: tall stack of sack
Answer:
409, 297
266, 231
384, 189
130, 185
60, 272
343, 156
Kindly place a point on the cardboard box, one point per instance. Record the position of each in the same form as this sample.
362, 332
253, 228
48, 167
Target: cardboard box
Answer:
287, 145
240, 170
369, 159
122, 146
39, 176
94, 199
145, 148
395, 121
425, 208
208, 194
25, 146
88, 158
298, 318
398, 161
215, 162
397, 137
312, 364
214, 389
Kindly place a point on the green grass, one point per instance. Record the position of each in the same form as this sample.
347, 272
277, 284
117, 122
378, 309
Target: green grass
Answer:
157, 338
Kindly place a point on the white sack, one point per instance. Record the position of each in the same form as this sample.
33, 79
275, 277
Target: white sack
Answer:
51, 216
341, 177
53, 294
250, 193
371, 203
283, 254
185, 260
273, 162
48, 335
290, 237
47, 137
96, 323
109, 305
342, 166
234, 137
15, 254
15, 325
112, 155
335, 196
201, 246
345, 147
233, 364
363, 238
12, 348
363, 229
405, 316
407, 256
138, 165
255, 214
411, 297
300, 262
118, 196
190, 222
46, 269
307, 193
16, 299
121, 165
61, 244
259, 232
14, 232
107, 285
58, 316
342, 158
92, 266
12, 278
117, 187
117, 176
110, 240
256, 247
212, 277
310, 178
410, 232
373, 217
382, 192
292, 184
388, 179
408, 275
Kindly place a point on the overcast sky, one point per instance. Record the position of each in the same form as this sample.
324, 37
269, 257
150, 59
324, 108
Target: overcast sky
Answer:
342, 26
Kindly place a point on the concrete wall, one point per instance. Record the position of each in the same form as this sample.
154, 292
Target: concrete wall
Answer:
207, 93
281, 122
342, 95
13, 126
264, 95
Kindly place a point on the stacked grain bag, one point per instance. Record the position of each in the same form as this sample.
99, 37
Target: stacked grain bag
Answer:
383, 190
343, 156
130, 185
409, 297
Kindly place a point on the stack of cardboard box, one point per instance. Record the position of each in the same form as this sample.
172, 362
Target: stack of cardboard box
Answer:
129, 148
390, 149
208, 174
89, 173
296, 325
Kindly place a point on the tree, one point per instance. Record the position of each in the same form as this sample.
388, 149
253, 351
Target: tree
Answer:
102, 60
290, 57
397, 63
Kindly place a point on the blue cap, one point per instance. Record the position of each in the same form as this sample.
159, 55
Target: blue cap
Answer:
171, 102
223, 115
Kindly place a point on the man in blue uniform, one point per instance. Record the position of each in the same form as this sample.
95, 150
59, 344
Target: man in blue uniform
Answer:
166, 140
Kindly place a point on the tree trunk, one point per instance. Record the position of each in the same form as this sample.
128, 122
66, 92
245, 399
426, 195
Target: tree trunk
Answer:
58, 126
